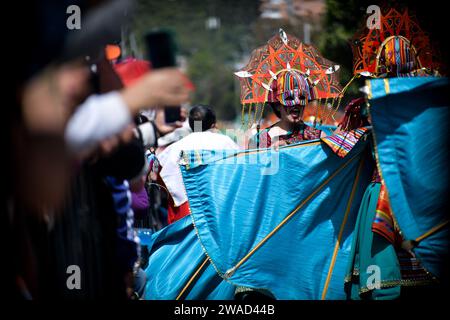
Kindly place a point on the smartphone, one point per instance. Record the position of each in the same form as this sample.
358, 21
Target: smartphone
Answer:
172, 114
161, 48
161, 53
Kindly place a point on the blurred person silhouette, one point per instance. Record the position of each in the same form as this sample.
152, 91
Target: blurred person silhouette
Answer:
51, 113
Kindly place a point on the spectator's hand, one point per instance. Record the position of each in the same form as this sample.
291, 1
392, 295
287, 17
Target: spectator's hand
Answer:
165, 87
163, 127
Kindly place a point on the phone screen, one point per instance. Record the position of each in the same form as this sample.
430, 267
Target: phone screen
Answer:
161, 53
160, 49
172, 114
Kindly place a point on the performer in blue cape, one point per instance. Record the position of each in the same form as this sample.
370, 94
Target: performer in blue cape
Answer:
380, 244
278, 223
291, 91
282, 223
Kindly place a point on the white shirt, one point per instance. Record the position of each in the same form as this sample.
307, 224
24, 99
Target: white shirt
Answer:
170, 172
99, 117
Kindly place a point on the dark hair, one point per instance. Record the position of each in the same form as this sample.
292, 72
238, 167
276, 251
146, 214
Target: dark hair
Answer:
140, 119
204, 114
124, 163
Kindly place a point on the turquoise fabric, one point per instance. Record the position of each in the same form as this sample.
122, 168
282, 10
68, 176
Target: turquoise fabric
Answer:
175, 256
370, 249
409, 118
238, 200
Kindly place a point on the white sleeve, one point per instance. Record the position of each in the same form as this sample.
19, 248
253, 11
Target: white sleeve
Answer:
99, 117
148, 134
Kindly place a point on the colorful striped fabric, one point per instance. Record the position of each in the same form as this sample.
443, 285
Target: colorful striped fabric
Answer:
411, 269
291, 88
383, 222
398, 57
341, 143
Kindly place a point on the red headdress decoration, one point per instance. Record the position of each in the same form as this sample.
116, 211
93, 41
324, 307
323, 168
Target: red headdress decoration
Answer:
281, 54
399, 46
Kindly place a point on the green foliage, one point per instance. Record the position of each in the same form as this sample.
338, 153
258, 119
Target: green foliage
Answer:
211, 54
342, 19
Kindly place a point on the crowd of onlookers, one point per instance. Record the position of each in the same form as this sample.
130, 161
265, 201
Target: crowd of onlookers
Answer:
92, 156
83, 139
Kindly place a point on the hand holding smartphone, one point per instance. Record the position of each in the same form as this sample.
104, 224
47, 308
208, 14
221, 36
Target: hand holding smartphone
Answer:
161, 53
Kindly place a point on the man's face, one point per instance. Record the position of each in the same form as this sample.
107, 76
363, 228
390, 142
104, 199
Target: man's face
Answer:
292, 114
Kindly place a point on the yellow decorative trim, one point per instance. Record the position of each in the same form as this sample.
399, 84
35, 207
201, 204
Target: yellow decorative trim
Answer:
341, 231
387, 88
230, 272
206, 252
431, 231
192, 278
222, 275
403, 283
369, 89
246, 152
357, 75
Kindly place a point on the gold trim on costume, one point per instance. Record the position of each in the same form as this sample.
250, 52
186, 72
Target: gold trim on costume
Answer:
246, 152
369, 89
403, 283
192, 278
341, 231
431, 231
230, 272
387, 88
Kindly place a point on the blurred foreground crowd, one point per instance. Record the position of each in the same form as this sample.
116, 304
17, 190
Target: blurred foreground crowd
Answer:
83, 132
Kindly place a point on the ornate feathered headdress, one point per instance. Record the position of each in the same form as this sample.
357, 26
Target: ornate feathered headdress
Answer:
398, 47
285, 57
